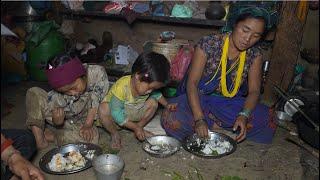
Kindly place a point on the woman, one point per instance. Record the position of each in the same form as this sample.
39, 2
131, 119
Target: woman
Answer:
225, 67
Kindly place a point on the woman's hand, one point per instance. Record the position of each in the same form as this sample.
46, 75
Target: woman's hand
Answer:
201, 128
58, 116
241, 122
23, 168
139, 133
87, 132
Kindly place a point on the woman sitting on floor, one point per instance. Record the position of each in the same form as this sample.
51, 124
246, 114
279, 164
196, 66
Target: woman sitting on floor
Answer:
225, 67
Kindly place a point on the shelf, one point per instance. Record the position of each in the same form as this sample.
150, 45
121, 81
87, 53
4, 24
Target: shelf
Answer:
155, 19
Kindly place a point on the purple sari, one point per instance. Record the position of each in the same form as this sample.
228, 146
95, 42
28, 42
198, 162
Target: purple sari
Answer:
216, 108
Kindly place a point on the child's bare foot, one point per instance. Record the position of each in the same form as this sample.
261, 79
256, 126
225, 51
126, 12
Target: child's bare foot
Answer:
148, 133
49, 135
115, 141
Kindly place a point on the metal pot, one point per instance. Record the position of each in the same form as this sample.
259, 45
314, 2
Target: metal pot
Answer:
288, 108
306, 130
215, 11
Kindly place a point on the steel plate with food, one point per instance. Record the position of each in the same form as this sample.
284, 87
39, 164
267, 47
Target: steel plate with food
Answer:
161, 146
216, 146
70, 158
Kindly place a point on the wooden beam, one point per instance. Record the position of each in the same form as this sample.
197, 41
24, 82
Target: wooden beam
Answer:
285, 50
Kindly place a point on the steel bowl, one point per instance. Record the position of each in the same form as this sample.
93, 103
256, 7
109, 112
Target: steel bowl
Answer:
195, 145
85, 150
167, 35
108, 166
282, 117
161, 146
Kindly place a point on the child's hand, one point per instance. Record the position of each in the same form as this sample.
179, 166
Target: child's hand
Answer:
172, 107
139, 133
87, 132
58, 116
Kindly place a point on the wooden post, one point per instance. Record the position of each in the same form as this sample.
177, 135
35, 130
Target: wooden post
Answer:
285, 50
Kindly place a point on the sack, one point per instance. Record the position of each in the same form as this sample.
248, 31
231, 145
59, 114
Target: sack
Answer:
180, 63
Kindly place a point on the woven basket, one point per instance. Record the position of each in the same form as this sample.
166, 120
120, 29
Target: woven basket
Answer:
169, 50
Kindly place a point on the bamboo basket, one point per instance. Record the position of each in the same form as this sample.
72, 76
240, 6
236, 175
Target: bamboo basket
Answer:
169, 50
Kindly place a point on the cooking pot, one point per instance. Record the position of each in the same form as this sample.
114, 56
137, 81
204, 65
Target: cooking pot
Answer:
306, 130
215, 11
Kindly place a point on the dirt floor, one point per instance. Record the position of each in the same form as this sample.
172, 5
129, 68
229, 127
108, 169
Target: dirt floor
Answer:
280, 160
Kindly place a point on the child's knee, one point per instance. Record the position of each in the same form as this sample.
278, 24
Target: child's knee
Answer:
35, 92
152, 104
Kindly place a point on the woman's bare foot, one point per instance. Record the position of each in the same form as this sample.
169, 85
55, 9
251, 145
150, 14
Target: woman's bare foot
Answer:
219, 129
49, 135
216, 127
115, 141
41, 141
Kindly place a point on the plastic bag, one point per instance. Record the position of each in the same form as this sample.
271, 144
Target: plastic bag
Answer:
43, 43
114, 7
181, 11
73, 5
180, 63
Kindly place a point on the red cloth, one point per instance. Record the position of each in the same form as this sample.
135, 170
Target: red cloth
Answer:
6, 144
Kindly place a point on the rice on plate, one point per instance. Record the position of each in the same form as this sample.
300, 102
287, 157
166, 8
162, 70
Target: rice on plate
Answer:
74, 160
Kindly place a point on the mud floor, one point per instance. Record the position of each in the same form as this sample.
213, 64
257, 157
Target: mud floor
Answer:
280, 160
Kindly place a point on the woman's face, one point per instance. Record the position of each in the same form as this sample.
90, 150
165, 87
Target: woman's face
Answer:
247, 32
144, 88
76, 88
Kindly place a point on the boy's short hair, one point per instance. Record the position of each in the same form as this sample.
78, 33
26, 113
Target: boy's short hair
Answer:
152, 67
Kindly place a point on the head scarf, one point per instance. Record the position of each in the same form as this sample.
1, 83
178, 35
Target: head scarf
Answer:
66, 73
267, 10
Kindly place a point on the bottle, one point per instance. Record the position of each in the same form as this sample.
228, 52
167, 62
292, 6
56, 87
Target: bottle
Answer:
265, 70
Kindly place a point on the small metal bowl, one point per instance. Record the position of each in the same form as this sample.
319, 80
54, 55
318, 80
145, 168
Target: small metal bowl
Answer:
195, 145
167, 35
282, 117
161, 146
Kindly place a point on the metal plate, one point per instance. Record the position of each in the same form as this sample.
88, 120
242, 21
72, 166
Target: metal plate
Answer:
166, 146
289, 109
83, 148
191, 144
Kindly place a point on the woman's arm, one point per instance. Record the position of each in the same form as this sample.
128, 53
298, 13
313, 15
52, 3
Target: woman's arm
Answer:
197, 66
254, 82
86, 130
